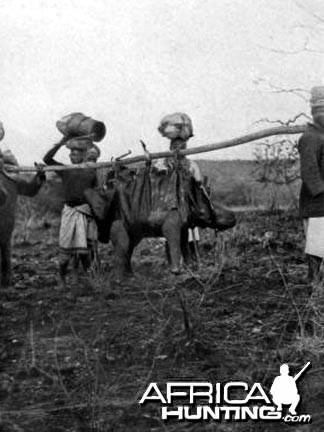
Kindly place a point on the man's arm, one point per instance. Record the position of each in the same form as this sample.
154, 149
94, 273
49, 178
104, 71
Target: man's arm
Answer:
195, 171
3, 192
49, 157
30, 187
310, 153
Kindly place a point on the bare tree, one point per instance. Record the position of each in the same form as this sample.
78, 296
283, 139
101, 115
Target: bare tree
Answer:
277, 161
308, 37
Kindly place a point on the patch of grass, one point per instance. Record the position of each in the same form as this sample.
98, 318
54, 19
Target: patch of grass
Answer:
81, 364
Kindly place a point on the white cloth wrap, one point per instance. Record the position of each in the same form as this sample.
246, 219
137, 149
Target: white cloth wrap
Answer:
314, 231
78, 229
193, 234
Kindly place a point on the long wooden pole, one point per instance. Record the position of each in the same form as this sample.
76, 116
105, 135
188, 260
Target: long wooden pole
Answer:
278, 130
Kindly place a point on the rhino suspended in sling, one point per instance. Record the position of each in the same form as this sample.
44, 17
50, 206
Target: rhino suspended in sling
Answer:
134, 204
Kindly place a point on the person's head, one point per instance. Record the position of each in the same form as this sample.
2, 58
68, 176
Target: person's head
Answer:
93, 154
77, 156
318, 116
284, 369
78, 149
317, 105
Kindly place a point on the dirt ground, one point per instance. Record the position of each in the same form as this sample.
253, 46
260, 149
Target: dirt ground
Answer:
80, 359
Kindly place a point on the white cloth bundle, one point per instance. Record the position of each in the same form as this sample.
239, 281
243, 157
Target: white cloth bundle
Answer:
78, 229
177, 125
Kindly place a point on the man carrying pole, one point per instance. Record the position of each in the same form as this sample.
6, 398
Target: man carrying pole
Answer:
178, 128
78, 230
311, 149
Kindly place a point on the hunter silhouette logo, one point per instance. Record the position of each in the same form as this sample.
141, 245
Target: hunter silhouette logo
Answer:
231, 401
284, 389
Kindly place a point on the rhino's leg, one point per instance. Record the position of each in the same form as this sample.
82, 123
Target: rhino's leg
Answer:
123, 249
171, 230
185, 250
85, 261
64, 260
184, 246
6, 264
167, 253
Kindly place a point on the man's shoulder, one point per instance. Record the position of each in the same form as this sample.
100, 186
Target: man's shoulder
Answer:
313, 129
312, 135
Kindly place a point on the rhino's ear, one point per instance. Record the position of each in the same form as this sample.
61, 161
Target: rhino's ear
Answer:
10, 175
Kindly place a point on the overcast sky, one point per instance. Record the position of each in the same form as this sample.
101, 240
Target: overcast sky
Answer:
130, 62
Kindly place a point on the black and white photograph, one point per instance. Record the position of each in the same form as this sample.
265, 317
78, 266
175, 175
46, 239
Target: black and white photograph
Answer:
162, 216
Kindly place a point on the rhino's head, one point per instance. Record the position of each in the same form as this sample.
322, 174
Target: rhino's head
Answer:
205, 214
224, 218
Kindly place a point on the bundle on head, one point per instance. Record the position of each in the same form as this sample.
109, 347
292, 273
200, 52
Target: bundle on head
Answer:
177, 125
77, 124
9, 158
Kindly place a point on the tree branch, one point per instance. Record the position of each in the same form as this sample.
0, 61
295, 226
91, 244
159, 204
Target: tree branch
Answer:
311, 13
279, 89
284, 123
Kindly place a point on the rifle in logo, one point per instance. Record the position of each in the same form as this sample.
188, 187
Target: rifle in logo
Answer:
302, 371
